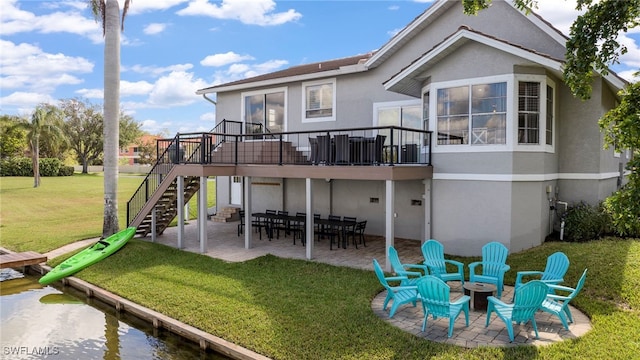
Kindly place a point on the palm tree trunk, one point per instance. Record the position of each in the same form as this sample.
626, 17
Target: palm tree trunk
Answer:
35, 160
111, 113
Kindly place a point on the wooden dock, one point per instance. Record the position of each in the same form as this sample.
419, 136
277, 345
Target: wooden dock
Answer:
17, 260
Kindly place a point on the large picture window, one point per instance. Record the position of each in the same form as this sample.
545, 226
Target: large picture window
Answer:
319, 100
474, 114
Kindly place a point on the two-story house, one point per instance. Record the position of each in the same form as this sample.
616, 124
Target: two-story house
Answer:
506, 138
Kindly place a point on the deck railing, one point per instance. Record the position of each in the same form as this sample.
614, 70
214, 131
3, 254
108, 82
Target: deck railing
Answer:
371, 146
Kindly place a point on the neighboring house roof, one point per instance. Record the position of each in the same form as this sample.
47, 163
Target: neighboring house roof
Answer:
407, 81
305, 72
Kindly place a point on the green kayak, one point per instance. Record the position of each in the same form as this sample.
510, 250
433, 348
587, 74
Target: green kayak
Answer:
89, 256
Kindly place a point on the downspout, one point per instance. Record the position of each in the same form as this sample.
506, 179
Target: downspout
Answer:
209, 100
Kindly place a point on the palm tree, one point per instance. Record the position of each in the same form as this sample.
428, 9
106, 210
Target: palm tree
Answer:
45, 122
107, 12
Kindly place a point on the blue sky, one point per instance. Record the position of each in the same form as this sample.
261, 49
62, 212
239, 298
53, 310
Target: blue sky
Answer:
52, 50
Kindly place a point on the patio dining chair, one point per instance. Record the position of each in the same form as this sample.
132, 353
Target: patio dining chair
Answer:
558, 305
349, 229
434, 295
407, 270
557, 266
399, 294
433, 253
297, 227
528, 299
493, 264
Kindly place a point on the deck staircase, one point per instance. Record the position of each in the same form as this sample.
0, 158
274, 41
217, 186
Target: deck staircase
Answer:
165, 205
159, 190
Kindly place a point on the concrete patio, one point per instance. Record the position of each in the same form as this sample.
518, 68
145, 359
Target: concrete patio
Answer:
224, 243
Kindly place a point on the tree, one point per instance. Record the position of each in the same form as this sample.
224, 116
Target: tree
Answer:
593, 45
13, 140
84, 127
45, 123
107, 12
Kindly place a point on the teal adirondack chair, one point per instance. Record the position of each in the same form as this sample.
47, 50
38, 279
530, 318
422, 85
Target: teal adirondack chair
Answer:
434, 295
527, 301
404, 269
558, 305
493, 264
399, 294
433, 253
553, 274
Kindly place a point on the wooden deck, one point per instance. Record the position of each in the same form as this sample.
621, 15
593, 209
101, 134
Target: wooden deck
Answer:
16, 260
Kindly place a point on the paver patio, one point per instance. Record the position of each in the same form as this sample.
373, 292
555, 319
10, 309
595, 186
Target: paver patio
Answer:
224, 243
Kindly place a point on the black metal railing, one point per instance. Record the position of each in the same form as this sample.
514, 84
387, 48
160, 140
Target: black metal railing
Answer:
371, 146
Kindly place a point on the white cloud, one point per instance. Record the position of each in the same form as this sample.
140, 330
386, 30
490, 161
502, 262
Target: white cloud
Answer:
13, 20
251, 12
629, 75
25, 101
142, 6
26, 66
209, 117
128, 88
632, 57
224, 59
157, 70
175, 89
243, 71
91, 93
155, 28
154, 127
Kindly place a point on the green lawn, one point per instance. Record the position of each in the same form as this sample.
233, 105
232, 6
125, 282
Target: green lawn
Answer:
293, 309
62, 209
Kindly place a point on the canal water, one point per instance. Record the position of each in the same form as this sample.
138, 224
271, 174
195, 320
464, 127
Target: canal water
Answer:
44, 322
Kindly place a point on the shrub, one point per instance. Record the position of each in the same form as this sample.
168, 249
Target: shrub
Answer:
16, 166
585, 222
66, 171
21, 166
50, 166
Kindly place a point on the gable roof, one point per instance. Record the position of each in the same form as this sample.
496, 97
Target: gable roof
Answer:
432, 13
407, 80
305, 72
365, 62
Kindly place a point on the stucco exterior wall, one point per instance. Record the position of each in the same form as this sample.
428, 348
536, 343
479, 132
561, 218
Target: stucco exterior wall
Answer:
468, 214
478, 195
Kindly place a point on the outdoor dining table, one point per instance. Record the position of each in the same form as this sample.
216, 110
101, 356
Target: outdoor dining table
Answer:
342, 225
272, 218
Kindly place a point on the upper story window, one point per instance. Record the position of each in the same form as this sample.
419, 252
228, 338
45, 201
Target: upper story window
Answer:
528, 112
550, 114
472, 114
264, 111
319, 99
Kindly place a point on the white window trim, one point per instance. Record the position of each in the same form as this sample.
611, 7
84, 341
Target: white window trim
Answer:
433, 118
243, 95
552, 84
303, 96
542, 146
